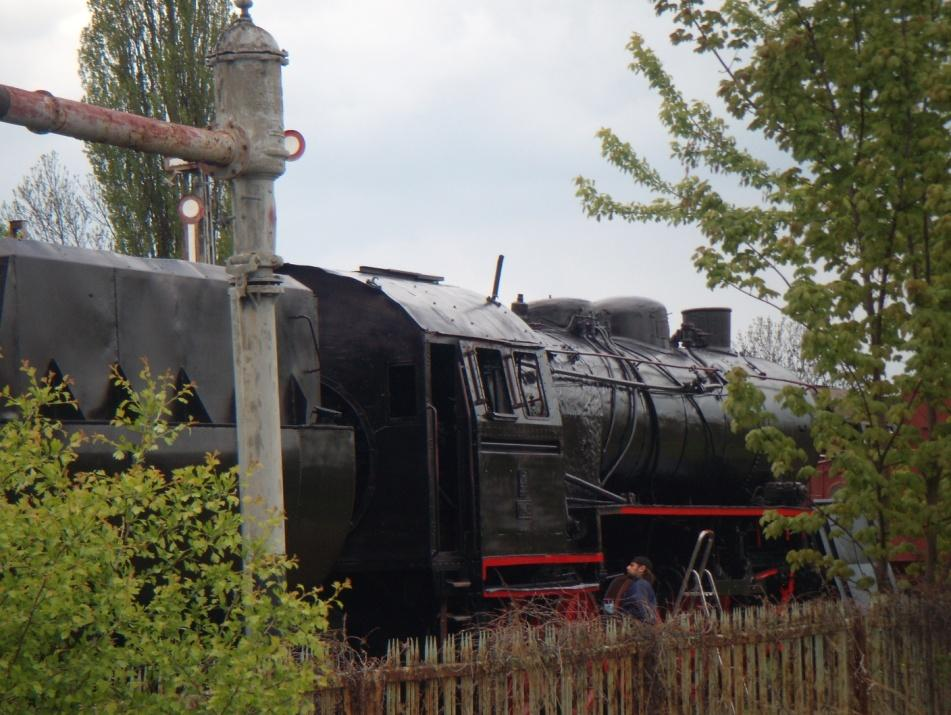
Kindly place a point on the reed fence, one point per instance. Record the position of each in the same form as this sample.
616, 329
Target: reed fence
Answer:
819, 657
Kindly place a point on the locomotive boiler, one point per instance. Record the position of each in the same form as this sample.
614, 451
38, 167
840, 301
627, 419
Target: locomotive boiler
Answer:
441, 451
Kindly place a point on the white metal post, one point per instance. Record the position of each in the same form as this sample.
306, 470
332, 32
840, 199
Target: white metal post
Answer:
248, 94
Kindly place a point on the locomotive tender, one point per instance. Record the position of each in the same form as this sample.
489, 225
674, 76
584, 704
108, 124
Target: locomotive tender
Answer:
440, 450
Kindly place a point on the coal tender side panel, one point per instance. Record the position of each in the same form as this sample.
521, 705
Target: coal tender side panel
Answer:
319, 497
298, 361
9, 323
179, 322
363, 333
65, 314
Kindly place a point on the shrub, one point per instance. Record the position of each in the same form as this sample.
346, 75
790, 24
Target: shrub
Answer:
123, 590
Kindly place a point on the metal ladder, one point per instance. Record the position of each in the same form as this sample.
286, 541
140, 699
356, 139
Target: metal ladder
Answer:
696, 575
698, 580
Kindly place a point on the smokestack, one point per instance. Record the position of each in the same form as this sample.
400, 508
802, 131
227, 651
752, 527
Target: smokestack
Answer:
714, 323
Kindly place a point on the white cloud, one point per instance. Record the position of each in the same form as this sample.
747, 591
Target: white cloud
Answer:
40, 42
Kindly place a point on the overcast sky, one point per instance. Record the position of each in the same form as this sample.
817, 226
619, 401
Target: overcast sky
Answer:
440, 133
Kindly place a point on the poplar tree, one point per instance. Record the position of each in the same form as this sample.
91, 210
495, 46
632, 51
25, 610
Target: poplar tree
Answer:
846, 228
148, 57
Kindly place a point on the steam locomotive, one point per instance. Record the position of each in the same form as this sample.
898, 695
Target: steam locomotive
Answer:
441, 451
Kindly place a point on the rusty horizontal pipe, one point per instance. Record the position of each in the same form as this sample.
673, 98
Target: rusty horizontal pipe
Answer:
41, 112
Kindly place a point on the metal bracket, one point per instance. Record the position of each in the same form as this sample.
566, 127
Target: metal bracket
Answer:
242, 152
242, 268
59, 115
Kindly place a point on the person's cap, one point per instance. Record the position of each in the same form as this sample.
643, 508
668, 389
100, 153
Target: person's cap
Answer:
643, 561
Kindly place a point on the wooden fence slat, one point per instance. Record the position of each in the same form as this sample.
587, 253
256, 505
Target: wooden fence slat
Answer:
931, 679
686, 671
595, 699
879, 695
448, 685
799, 684
847, 673
704, 677
809, 673
635, 683
749, 677
391, 693
841, 666
791, 694
820, 670
536, 679
903, 639
467, 684
913, 655
888, 647
768, 674
429, 697
733, 703
733, 685
663, 683
702, 686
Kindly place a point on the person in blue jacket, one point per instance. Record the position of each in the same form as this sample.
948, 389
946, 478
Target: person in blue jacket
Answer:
639, 600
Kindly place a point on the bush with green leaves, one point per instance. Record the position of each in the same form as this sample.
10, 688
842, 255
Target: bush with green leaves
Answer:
123, 590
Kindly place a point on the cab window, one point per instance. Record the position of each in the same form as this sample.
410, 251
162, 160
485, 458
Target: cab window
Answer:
494, 384
529, 382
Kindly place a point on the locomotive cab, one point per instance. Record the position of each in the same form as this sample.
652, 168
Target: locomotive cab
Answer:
528, 545
461, 491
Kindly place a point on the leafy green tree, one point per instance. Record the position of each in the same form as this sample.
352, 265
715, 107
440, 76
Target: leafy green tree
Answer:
124, 592
58, 208
148, 57
847, 228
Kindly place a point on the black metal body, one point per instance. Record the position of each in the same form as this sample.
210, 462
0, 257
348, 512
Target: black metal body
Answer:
478, 452
77, 313
494, 445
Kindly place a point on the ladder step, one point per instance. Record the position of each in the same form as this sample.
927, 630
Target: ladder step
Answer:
461, 583
704, 585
